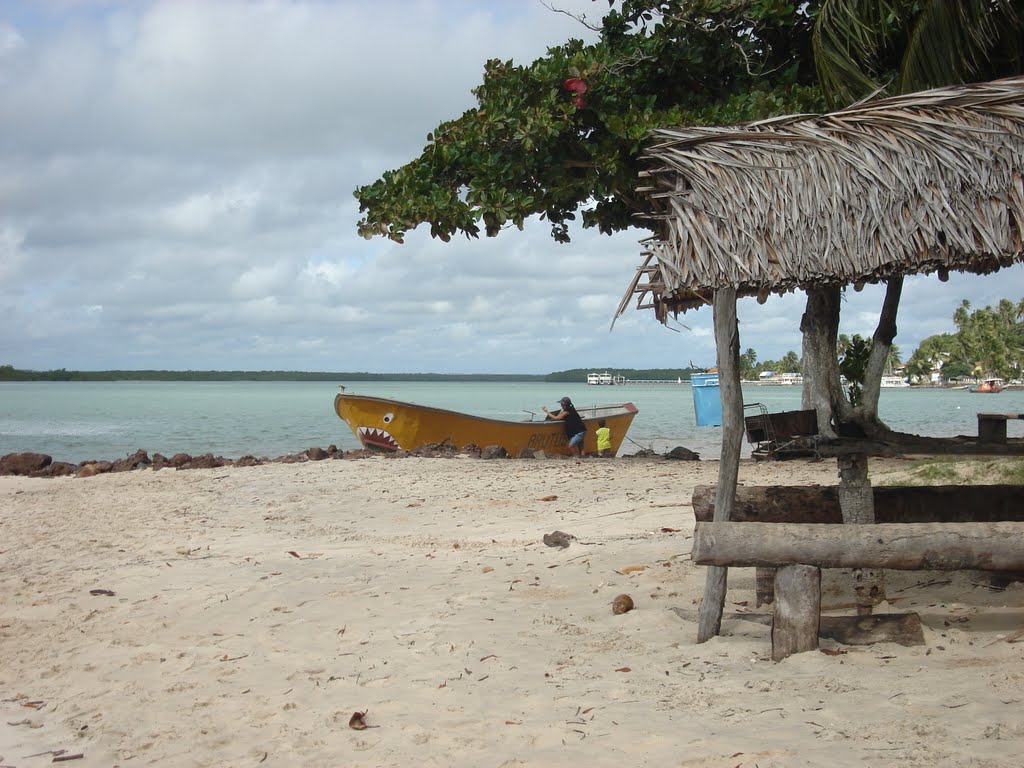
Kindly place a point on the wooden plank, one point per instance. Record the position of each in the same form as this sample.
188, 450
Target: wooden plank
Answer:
900, 546
796, 610
914, 445
893, 504
900, 628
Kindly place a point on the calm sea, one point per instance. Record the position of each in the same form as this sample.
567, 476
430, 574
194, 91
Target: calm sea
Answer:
74, 421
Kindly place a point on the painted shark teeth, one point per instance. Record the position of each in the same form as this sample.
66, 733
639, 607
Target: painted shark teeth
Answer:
372, 437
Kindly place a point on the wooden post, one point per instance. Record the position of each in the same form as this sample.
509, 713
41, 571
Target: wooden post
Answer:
727, 342
797, 610
857, 502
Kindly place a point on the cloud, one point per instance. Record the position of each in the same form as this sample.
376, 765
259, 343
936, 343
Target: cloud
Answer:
176, 183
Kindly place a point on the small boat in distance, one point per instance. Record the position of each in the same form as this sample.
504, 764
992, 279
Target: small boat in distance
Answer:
894, 381
391, 425
992, 386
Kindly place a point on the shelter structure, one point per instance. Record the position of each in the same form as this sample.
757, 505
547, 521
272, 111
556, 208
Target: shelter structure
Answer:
926, 183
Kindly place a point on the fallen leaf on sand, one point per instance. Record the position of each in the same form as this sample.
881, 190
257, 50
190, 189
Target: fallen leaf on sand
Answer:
832, 651
358, 721
487, 569
623, 669
634, 569
548, 498
107, 592
666, 529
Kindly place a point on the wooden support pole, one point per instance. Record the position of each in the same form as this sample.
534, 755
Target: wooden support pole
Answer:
727, 342
796, 611
900, 546
857, 503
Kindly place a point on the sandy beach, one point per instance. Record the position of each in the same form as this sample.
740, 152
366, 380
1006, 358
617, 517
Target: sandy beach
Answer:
239, 616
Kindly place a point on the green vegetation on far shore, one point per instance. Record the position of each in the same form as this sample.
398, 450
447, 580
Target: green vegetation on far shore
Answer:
576, 375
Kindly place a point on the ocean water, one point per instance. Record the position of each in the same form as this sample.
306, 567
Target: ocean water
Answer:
75, 421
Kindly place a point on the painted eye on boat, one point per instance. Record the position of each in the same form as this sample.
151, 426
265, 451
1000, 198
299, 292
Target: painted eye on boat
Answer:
388, 418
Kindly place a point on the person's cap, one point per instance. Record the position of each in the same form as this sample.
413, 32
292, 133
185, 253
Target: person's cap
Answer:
565, 401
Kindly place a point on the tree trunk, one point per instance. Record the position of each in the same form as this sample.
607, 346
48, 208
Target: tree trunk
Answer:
857, 503
727, 341
820, 327
901, 546
866, 414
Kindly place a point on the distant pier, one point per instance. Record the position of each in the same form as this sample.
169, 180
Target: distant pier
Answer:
652, 381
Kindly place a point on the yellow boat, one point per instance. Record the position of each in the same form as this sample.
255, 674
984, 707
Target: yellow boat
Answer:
391, 425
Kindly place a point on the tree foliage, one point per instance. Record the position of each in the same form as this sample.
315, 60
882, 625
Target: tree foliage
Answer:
901, 46
988, 342
564, 134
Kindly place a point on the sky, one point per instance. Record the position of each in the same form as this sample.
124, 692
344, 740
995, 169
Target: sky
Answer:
176, 192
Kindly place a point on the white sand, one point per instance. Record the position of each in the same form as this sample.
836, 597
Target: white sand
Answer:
422, 592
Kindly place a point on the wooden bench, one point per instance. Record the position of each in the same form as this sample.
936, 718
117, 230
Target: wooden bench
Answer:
800, 550
992, 426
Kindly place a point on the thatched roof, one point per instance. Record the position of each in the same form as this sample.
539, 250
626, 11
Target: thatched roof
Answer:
929, 182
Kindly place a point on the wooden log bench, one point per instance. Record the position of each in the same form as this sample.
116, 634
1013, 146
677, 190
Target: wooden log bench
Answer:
893, 504
800, 550
992, 427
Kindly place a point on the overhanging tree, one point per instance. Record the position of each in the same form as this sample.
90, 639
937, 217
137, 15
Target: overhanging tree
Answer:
562, 136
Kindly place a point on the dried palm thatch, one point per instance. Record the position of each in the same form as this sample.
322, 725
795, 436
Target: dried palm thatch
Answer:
929, 182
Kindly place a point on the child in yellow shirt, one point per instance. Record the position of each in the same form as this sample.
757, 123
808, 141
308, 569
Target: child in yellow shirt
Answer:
604, 440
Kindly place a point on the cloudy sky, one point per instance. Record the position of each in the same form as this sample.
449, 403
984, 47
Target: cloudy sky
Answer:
176, 183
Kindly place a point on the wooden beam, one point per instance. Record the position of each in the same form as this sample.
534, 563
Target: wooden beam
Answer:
924, 446
900, 546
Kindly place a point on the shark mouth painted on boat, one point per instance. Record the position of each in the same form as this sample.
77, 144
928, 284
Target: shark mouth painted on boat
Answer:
377, 439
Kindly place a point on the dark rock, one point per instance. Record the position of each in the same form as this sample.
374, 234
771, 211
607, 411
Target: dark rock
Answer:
179, 460
57, 469
472, 450
23, 463
684, 454
558, 539
643, 453
206, 461
90, 468
316, 454
361, 453
248, 461
494, 452
138, 460
292, 458
526, 453
441, 450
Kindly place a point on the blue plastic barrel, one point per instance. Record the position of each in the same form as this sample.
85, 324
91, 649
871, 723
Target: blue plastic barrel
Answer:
707, 399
